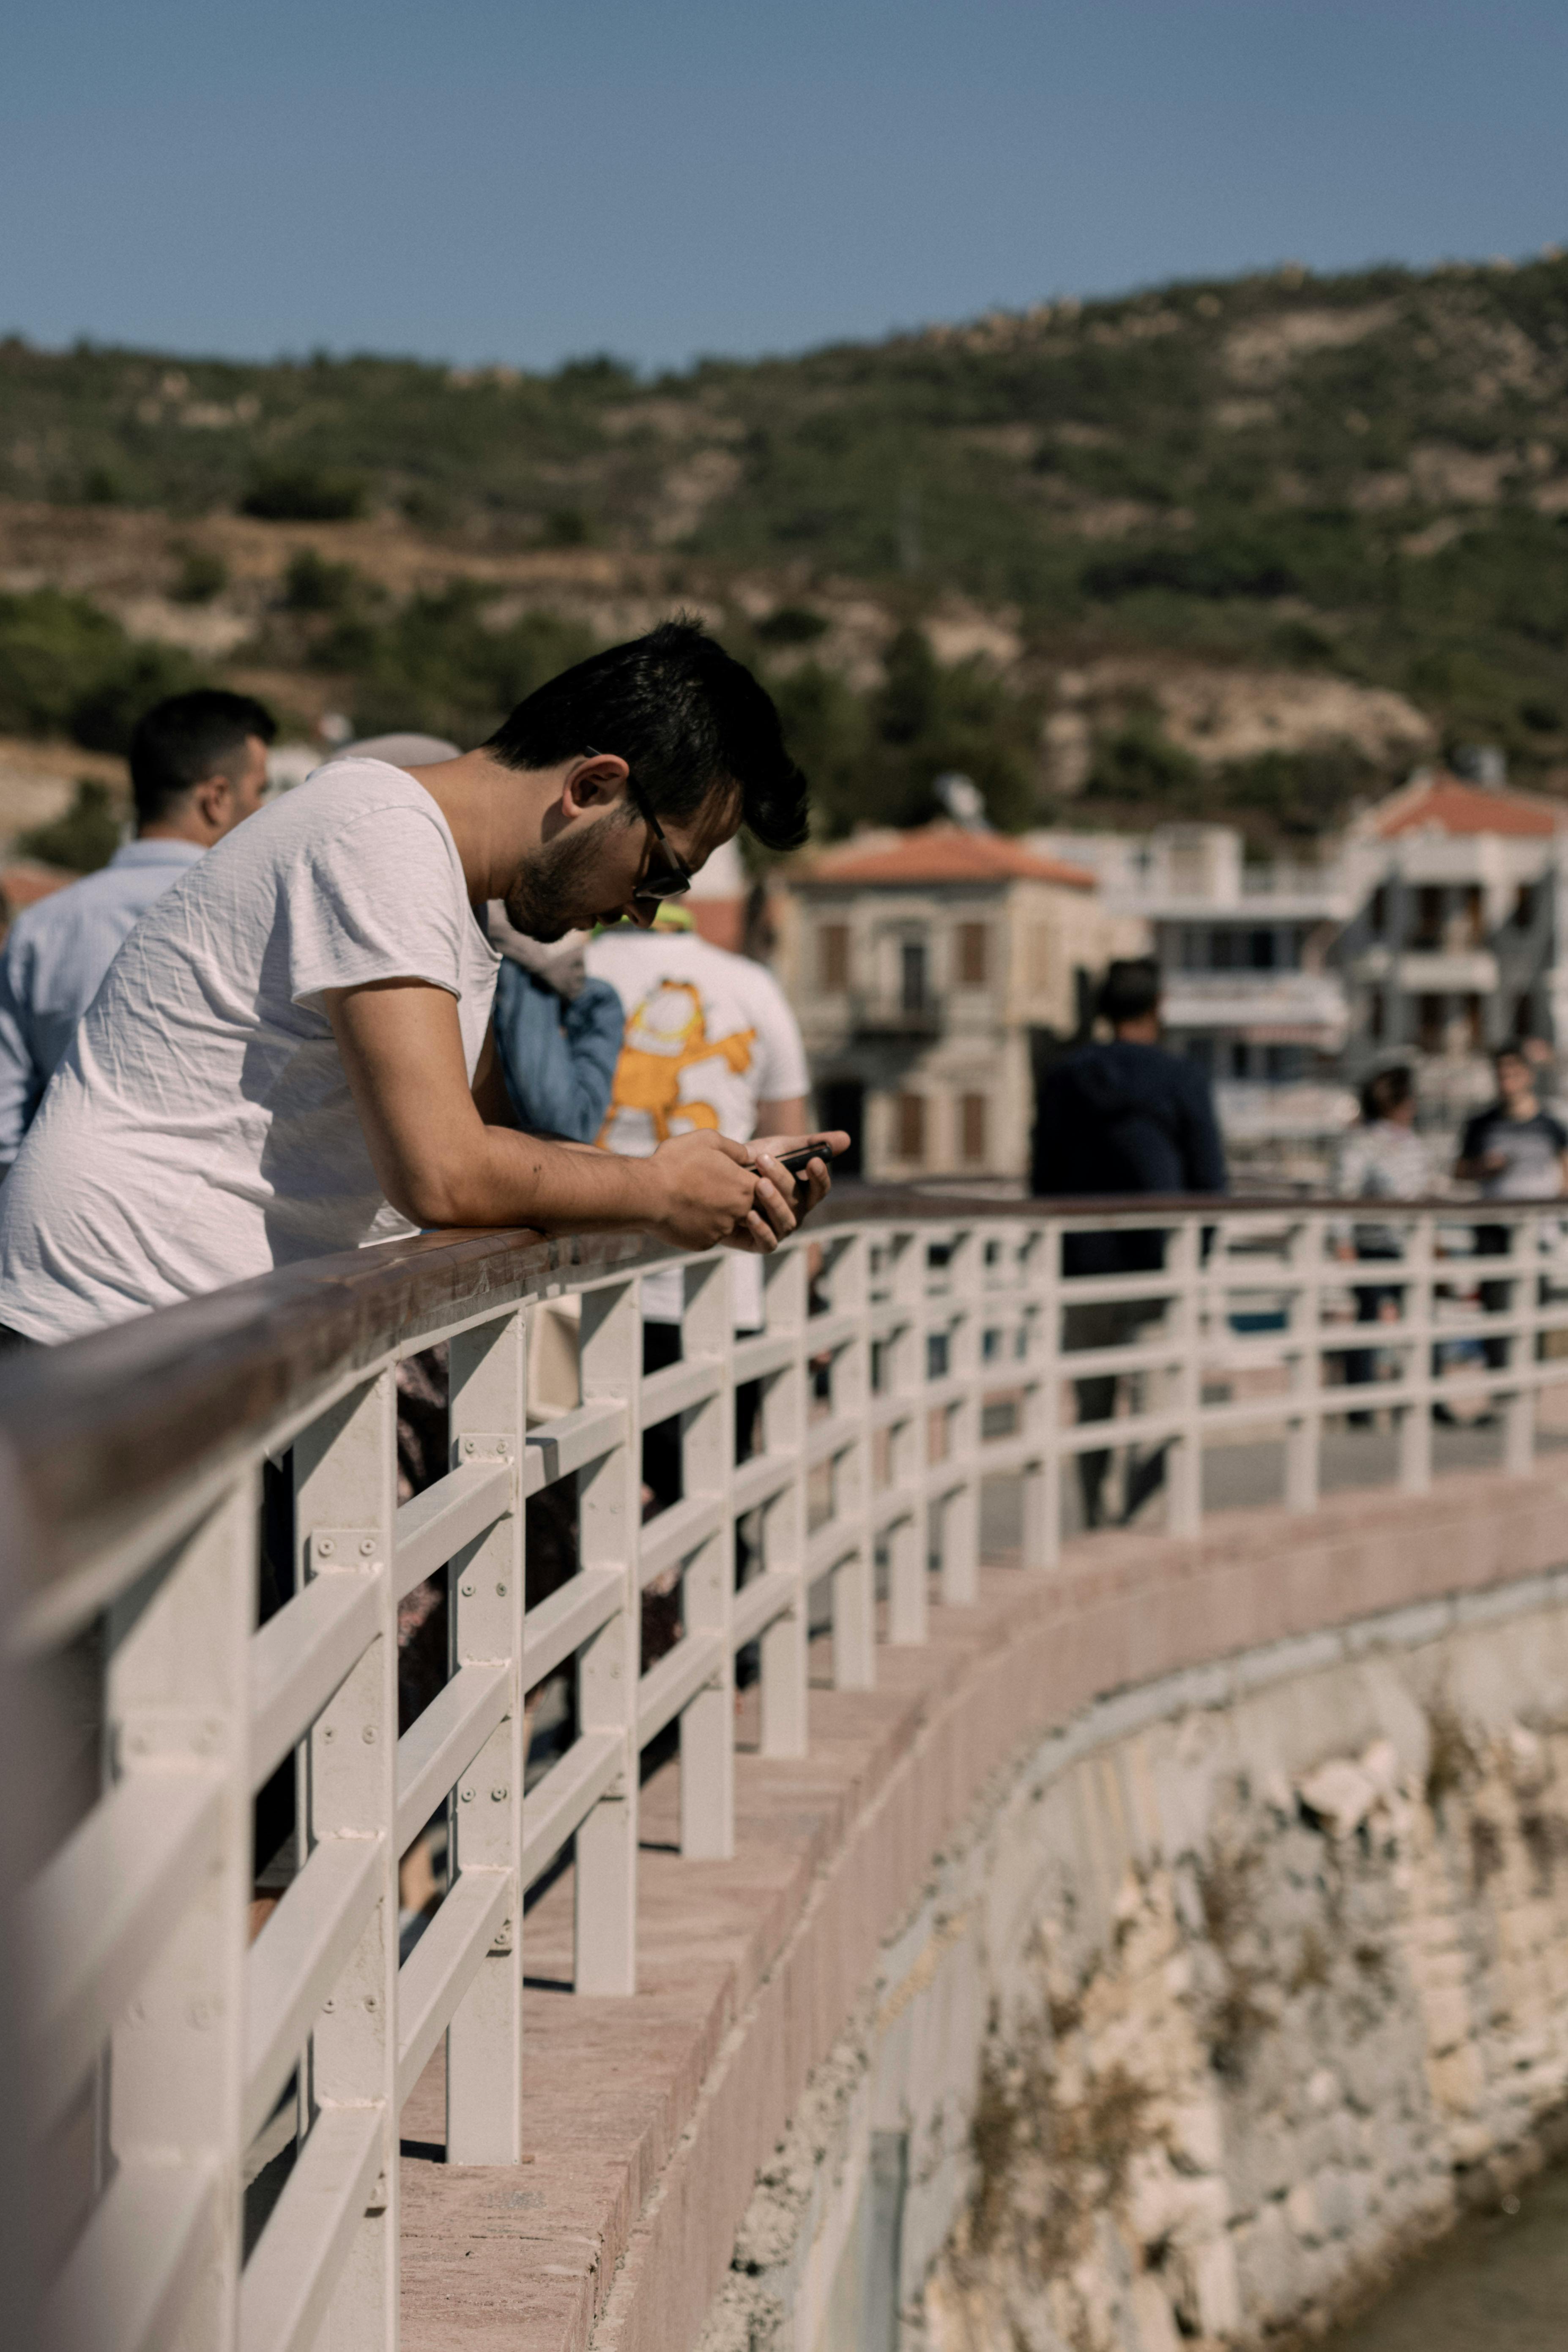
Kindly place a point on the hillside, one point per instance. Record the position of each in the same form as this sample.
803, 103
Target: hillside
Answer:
1247, 546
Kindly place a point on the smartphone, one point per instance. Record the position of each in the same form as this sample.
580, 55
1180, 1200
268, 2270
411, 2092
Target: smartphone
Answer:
797, 1163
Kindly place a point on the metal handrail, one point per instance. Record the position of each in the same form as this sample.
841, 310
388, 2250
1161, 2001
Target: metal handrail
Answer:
889, 1330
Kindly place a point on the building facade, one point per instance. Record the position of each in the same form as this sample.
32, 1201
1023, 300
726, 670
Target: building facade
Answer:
1454, 940
925, 967
1252, 993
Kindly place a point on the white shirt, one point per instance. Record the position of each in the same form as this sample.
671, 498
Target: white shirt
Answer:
56, 955
709, 1036
200, 1129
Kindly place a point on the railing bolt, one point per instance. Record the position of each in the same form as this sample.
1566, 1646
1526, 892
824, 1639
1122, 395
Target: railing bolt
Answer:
467, 1795
498, 1796
501, 1591
324, 1545
367, 1547
466, 1590
327, 2006
468, 1444
328, 1732
368, 1735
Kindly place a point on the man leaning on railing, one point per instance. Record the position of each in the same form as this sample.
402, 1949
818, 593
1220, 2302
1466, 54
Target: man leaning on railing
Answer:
292, 1052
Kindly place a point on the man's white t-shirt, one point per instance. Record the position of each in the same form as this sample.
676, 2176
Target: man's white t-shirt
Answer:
200, 1129
709, 1036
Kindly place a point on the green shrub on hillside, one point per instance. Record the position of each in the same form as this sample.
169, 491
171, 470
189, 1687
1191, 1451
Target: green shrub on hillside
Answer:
84, 838
305, 494
67, 668
437, 665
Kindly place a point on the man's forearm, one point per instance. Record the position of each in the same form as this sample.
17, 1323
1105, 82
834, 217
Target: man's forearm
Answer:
555, 1187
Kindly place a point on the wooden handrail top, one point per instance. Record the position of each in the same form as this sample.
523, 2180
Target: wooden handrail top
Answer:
102, 1429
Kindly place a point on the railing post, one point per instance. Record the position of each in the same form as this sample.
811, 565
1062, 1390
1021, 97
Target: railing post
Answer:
1042, 1472
782, 1428
177, 1704
1186, 1472
961, 1502
903, 1372
1305, 1257
609, 1508
487, 1421
707, 1589
1519, 1409
1415, 1417
345, 1471
854, 1577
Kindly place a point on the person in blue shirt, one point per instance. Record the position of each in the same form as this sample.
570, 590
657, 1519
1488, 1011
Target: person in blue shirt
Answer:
198, 768
558, 1033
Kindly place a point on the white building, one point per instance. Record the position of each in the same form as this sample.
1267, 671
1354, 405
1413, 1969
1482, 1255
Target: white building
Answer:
1252, 993
925, 968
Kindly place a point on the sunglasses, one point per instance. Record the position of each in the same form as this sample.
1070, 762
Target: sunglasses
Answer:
668, 881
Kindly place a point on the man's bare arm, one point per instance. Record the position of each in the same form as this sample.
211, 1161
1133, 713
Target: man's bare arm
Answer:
441, 1164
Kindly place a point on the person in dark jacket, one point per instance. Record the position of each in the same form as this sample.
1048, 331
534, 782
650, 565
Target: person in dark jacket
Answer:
1127, 1116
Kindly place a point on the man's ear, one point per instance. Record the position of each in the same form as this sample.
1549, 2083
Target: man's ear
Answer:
596, 782
214, 800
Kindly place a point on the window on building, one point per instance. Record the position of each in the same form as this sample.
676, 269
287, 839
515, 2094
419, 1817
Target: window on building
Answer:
1376, 1016
912, 995
1525, 1016
1431, 1016
1474, 918
1240, 1059
972, 1129
1524, 906
972, 958
1260, 951
1474, 1034
1429, 917
1379, 915
1282, 1065
1200, 1053
911, 1129
1220, 946
833, 958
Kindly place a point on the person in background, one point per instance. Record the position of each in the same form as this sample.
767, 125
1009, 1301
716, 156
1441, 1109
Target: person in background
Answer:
1514, 1151
1382, 1158
198, 768
1127, 1116
710, 1044
558, 1032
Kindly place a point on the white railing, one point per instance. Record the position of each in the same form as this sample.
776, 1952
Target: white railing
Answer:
912, 1351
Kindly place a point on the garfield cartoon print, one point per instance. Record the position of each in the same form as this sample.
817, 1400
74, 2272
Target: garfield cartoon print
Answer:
672, 1077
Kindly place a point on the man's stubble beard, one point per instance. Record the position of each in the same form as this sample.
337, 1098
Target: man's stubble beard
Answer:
551, 893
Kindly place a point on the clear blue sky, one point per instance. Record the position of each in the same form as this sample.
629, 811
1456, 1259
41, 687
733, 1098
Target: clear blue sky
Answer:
523, 180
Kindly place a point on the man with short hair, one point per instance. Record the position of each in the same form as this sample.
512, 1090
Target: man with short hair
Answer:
1514, 1151
1127, 1116
198, 768
292, 1054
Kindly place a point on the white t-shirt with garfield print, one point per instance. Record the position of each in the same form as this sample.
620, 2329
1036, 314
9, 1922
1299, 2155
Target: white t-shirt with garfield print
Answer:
709, 1036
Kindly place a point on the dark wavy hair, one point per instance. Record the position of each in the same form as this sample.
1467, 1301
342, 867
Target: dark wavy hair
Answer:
688, 719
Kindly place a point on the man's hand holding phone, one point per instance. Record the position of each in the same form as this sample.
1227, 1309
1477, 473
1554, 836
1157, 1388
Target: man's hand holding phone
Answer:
793, 1175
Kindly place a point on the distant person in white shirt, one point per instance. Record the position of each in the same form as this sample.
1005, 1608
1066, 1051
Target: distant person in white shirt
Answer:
292, 1052
710, 1046
198, 768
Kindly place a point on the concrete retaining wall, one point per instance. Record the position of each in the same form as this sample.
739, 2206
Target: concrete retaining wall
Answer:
1205, 2017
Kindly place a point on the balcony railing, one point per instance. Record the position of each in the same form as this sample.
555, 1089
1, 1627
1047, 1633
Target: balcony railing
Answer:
913, 1351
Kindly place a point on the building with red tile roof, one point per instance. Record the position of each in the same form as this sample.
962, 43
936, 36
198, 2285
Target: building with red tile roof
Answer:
921, 965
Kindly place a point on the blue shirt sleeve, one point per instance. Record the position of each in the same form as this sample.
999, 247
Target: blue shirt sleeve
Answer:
558, 1060
22, 1082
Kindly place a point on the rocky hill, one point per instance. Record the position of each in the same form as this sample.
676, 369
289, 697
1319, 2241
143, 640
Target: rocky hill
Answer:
1248, 547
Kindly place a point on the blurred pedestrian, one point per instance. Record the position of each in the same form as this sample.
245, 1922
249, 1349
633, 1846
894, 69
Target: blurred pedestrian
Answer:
1126, 1116
1382, 1158
1513, 1150
198, 768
